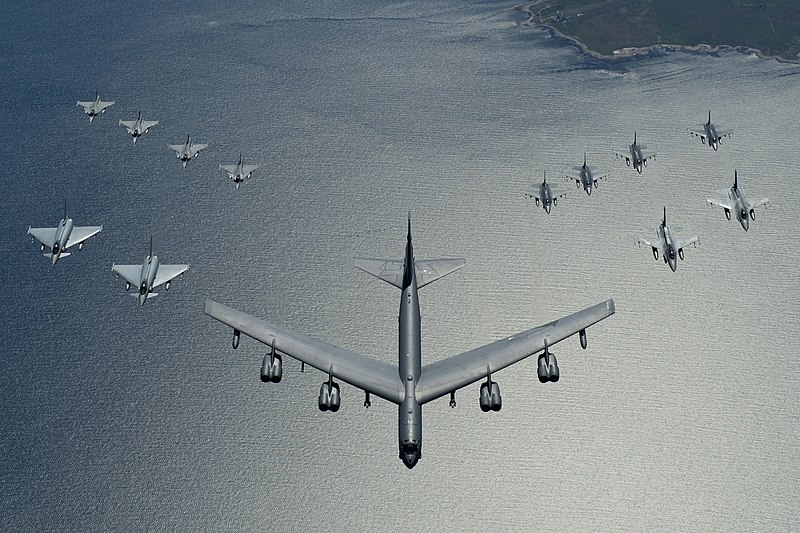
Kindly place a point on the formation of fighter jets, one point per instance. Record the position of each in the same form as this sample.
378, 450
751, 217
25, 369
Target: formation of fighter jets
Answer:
410, 384
667, 244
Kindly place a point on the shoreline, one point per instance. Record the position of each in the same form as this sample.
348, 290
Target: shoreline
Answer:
622, 55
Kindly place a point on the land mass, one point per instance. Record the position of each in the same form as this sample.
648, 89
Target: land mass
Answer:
614, 28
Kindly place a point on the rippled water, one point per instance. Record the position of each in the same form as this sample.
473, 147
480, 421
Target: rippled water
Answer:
682, 414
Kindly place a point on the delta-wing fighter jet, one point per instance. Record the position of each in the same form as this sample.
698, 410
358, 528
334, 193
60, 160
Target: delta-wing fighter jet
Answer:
667, 243
149, 275
62, 237
635, 155
710, 135
95, 107
587, 176
409, 385
239, 171
188, 150
137, 128
736, 202
543, 194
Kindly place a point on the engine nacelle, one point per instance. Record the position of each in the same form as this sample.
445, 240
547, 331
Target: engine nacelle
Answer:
727, 213
272, 368
166, 286
329, 396
236, 335
547, 368
490, 397
680, 254
655, 253
752, 214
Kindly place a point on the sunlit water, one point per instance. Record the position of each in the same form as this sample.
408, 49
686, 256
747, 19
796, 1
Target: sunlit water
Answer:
682, 414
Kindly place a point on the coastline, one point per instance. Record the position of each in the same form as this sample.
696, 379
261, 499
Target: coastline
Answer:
622, 55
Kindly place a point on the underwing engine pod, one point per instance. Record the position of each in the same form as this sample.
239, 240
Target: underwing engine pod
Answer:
329, 397
272, 366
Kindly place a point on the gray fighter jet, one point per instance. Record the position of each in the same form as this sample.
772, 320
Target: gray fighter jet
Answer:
667, 244
188, 150
409, 385
95, 107
736, 202
64, 236
635, 155
239, 172
138, 127
710, 134
149, 275
586, 177
543, 194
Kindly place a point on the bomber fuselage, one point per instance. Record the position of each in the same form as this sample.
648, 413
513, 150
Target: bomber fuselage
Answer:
410, 364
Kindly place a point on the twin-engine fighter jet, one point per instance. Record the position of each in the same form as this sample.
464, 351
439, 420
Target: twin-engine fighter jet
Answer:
95, 107
149, 275
64, 236
408, 385
736, 202
543, 194
188, 150
138, 127
710, 134
635, 155
239, 172
667, 244
586, 177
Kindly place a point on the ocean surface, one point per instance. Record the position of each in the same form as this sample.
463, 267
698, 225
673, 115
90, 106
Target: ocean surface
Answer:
683, 414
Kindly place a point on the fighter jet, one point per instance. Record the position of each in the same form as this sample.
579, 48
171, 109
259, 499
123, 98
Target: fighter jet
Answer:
64, 236
149, 275
95, 107
188, 150
736, 202
635, 155
667, 244
409, 385
138, 127
543, 194
710, 134
586, 177
239, 172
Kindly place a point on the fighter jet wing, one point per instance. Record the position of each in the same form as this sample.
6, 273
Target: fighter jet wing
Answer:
131, 273
701, 134
360, 371
102, 106
85, 105
626, 157
177, 148
130, 124
656, 243
230, 169
80, 234
532, 192
147, 124
721, 201
759, 203
448, 375
248, 169
46, 236
682, 242
167, 272
197, 147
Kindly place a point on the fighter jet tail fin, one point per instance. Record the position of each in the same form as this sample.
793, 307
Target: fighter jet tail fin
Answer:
735, 180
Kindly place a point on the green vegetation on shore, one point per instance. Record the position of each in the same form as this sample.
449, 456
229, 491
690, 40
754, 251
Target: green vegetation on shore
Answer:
773, 27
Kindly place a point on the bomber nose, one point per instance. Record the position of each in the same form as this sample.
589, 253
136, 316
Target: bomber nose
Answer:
410, 459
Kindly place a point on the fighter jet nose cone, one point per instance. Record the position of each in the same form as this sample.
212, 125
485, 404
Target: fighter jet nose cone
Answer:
410, 460
142, 299
54, 259
589, 190
673, 265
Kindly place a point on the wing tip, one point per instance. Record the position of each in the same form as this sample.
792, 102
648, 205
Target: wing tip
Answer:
611, 306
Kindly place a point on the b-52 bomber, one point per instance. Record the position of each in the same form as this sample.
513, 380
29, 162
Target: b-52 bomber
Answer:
149, 275
188, 150
543, 194
635, 156
409, 385
62, 237
586, 177
137, 128
710, 134
95, 107
239, 172
668, 245
736, 202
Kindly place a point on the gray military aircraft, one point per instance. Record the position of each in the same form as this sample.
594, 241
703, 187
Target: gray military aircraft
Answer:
586, 177
667, 244
95, 107
149, 275
710, 134
736, 202
543, 194
138, 127
239, 172
64, 236
635, 155
409, 385
187, 150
